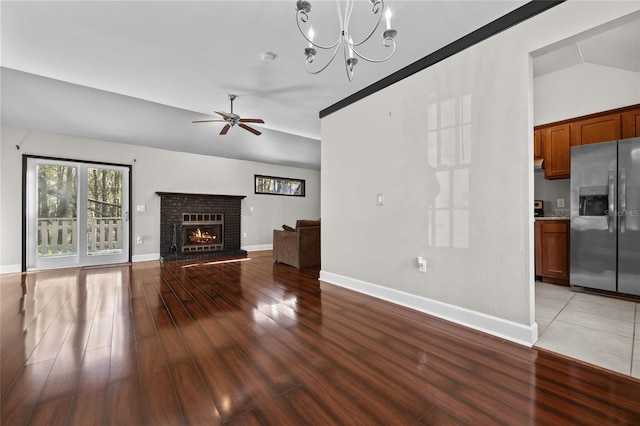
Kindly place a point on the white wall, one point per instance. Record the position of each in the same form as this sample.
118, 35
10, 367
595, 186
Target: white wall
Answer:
583, 89
458, 188
153, 170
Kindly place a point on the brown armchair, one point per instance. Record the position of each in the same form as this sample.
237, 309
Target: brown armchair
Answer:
299, 247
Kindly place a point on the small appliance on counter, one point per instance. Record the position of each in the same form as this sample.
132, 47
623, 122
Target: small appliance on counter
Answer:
538, 211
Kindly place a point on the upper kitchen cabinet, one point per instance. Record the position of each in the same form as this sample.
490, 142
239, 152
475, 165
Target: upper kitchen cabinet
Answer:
537, 144
556, 146
631, 124
556, 139
594, 130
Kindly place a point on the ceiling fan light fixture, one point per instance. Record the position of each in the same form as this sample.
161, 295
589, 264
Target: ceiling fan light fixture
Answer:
232, 119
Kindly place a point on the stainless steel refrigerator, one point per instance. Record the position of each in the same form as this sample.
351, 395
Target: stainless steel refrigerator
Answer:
605, 218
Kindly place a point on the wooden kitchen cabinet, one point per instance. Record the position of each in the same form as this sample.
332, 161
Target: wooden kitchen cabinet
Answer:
595, 130
556, 145
631, 124
537, 144
553, 141
552, 251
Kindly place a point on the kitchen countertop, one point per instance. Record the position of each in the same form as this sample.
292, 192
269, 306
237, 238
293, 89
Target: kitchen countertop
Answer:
552, 218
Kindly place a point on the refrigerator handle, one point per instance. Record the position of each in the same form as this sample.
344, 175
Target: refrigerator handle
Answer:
623, 200
611, 213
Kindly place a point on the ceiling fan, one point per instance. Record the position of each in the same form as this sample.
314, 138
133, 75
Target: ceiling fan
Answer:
232, 119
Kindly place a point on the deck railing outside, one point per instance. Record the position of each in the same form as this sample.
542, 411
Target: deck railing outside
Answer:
57, 236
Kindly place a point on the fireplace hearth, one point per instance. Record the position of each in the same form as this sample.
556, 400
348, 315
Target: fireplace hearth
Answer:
205, 226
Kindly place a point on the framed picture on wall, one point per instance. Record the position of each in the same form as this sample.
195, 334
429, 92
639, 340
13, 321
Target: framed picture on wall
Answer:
273, 185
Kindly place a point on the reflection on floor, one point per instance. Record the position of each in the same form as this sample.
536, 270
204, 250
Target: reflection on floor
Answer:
596, 329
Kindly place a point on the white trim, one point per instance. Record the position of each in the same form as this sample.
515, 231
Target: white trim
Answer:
10, 269
145, 257
261, 247
515, 332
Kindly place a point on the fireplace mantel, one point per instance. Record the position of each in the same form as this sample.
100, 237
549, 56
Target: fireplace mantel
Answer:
192, 194
173, 207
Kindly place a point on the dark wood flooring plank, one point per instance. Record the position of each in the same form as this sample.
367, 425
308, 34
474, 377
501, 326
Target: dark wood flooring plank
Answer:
124, 403
161, 406
51, 413
247, 419
50, 344
308, 408
272, 408
19, 402
197, 404
89, 402
13, 362
253, 342
387, 408
276, 370
62, 380
142, 319
228, 397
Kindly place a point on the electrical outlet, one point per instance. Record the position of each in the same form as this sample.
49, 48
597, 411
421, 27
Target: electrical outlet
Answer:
141, 208
244, 235
380, 199
139, 239
560, 202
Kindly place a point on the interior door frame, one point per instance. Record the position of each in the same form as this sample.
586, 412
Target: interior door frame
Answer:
127, 202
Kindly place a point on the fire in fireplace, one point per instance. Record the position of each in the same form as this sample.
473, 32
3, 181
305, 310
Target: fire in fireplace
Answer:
201, 237
202, 232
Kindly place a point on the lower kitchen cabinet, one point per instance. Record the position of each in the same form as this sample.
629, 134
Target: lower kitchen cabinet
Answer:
552, 251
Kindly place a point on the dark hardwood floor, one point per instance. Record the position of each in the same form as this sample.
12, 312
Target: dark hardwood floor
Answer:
253, 342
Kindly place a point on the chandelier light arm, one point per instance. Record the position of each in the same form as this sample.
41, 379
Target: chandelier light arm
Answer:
380, 7
377, 61
311, 57
304, 17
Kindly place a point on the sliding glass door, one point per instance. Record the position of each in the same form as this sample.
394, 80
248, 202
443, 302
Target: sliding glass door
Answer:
77, 214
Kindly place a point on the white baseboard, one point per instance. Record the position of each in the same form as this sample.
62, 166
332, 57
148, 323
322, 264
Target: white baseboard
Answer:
145, 257
509, 330
10, 269
258, 247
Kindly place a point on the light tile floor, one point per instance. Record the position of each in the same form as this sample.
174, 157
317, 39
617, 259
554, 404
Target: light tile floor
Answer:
596, 329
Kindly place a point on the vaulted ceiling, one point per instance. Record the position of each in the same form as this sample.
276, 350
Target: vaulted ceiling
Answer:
139, 72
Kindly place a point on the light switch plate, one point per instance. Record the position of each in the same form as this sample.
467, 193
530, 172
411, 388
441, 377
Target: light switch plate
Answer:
380, 199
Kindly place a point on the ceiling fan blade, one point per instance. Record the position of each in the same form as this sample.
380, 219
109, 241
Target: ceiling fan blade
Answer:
251, 129
209, 121
251, 120
225, 129
223, 114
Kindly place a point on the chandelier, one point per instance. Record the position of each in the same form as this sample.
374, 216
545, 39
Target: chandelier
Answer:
345, 41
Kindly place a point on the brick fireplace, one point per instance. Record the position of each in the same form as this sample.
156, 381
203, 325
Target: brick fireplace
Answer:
199, 226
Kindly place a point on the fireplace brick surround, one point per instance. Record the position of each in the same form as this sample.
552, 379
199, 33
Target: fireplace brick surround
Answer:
172, 207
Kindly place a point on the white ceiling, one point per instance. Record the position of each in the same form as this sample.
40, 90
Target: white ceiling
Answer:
615, 44
139, 72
